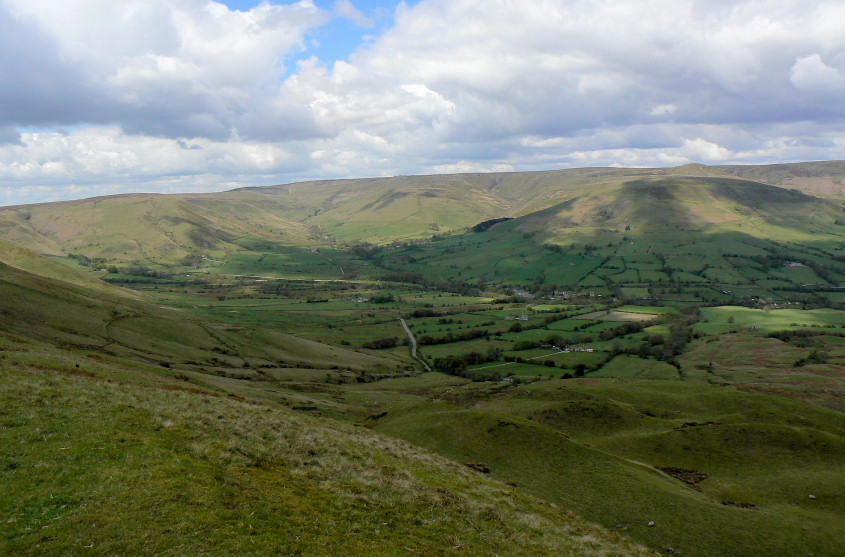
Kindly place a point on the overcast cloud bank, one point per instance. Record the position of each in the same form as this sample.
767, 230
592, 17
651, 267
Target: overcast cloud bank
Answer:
106, 96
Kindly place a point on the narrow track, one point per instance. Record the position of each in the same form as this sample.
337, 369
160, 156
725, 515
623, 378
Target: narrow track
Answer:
413, 344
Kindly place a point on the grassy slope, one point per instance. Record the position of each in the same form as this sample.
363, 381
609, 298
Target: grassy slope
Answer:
148, 227
116, 467
597, 448
822, 178
19, 257
104, 450
102, 321
670, 229
168, 228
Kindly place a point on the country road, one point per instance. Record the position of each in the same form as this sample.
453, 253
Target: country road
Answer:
413, 344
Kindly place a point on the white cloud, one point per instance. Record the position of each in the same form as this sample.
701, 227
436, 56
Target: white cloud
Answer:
452, 84
472, 166
92, 153
810, 73
706, 151
172, 68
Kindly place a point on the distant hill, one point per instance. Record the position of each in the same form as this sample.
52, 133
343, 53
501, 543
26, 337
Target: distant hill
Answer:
171, 229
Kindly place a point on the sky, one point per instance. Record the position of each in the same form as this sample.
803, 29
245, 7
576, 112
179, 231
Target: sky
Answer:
112, 96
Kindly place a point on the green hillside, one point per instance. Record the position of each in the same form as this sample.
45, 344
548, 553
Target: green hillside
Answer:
680, 238
95, 461
25, 259
112, 443
170, 228
632, 221
106, 321
719, 472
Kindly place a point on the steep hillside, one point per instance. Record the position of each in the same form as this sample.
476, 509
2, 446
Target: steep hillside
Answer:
24, 259
147, 228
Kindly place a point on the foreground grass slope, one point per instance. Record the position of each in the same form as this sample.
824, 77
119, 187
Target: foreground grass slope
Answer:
114, 467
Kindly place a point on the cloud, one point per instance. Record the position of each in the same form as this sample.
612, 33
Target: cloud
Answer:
176, 68
190, 92
472, 166
663, 109
39, 85
810, 73
9, 135
557, 69
344, 8
88, 154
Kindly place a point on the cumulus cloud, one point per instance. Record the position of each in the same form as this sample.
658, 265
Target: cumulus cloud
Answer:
169, 68
512, 81
216, 94
810, 73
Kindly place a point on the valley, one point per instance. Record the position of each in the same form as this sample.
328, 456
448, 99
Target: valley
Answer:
659, 351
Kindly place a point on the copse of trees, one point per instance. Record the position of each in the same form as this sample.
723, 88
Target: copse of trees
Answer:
381, 343
457, 364
628, 328
96, 263
450, 337
793, 334
667, 348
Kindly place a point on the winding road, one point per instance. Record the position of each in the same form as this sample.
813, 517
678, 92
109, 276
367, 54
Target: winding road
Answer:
413, 344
